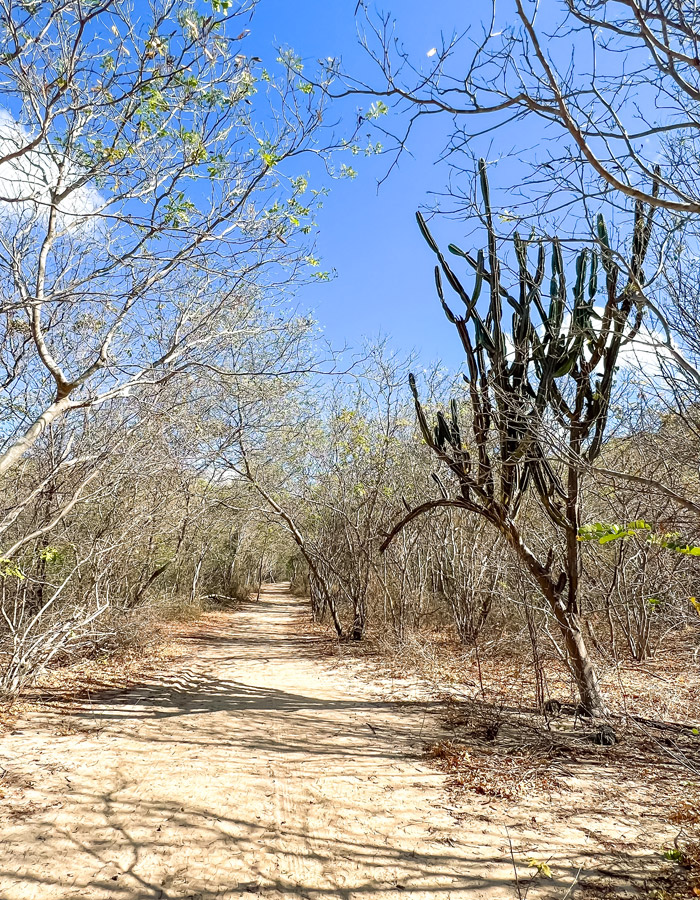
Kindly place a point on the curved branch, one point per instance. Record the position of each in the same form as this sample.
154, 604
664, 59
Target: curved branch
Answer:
652, 485
418, 511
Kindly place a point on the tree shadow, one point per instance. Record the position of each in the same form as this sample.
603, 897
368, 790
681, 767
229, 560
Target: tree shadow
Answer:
233, 708
207, 856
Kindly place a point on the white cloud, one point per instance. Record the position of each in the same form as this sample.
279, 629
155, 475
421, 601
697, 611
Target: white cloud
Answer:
27, 178
645, 354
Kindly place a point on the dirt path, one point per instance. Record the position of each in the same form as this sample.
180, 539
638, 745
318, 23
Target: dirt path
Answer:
256, 766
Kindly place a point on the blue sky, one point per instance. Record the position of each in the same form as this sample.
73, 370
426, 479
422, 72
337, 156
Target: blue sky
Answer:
384, 281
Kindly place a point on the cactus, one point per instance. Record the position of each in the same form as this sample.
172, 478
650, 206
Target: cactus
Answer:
555, 371
554, 368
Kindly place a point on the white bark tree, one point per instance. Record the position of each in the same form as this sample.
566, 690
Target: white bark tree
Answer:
149, 200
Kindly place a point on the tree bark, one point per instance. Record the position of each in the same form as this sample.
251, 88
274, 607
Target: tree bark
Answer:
580, 665
358, 624
13, 454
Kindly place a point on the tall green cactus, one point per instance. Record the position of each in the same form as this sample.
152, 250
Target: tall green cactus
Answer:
554, 367
539, 392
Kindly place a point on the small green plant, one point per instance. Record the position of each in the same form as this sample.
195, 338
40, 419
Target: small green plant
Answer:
9, 568
542, 867
50, 554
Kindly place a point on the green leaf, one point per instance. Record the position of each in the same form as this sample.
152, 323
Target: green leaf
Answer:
542, 867
377, 109
10, 569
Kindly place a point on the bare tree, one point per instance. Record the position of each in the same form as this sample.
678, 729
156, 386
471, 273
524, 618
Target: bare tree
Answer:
148, 200
613, 85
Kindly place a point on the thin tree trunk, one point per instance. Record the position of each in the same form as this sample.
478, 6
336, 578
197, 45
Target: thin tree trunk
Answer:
13, 454
260, 577
300, 542
580, 664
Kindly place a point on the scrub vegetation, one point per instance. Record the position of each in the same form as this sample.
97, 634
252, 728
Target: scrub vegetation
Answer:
520, 537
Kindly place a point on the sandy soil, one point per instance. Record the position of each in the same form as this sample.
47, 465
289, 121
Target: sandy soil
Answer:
255, 765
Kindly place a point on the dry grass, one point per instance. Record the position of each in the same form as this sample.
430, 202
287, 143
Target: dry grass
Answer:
665, 687
686, 815
155, 638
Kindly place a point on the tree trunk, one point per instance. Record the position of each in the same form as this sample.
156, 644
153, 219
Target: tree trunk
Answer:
580, 665
13, 454
358, 624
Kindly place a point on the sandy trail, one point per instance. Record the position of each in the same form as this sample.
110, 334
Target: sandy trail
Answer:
254, 767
